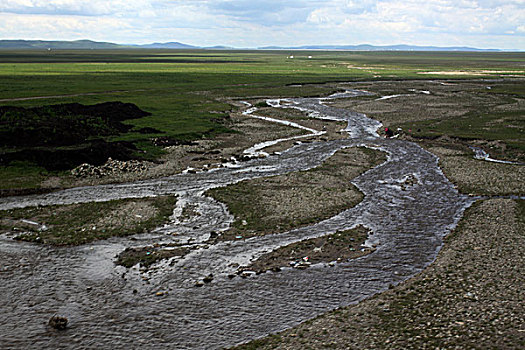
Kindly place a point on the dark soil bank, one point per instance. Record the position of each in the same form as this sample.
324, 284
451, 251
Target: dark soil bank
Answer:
59, 137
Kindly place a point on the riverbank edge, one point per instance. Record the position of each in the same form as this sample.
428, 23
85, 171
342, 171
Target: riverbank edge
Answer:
467, 298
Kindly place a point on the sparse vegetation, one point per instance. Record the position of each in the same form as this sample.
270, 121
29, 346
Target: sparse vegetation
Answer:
336, 247
83, 223
147, 256
281, 203
472, 112
469, 298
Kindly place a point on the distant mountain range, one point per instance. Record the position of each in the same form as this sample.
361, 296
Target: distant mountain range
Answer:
57, 45
172, 45
96, 45
365, 47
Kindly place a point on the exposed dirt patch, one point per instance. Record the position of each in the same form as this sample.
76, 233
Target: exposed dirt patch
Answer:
59, 137
147, 256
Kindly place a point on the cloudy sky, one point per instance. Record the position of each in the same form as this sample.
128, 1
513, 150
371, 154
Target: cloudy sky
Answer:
252, 23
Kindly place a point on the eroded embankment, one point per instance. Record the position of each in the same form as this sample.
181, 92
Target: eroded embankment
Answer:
409, 206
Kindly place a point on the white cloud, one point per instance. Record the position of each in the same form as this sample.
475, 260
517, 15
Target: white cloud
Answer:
59, 27
487, 23
72, 7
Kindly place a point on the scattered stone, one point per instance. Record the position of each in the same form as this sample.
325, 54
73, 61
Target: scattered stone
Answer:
246, 273
301, 265
111, 167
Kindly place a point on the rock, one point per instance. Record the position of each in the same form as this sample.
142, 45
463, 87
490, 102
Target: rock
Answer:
58, 322
111, 167
245, 274
301, 265
208, 278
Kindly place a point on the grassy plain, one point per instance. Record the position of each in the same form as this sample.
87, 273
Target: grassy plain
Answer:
185, 90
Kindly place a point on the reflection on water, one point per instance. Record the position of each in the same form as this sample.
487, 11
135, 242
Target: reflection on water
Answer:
107, 304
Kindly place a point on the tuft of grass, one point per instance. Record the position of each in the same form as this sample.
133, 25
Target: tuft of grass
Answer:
23, 175
259, 343
147, 256
521, 211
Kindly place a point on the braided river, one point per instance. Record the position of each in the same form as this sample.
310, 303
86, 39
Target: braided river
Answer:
109, 306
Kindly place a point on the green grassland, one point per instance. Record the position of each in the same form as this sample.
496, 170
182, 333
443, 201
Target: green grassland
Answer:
185, 90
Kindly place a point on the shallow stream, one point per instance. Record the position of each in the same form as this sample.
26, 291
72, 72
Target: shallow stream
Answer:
112, 307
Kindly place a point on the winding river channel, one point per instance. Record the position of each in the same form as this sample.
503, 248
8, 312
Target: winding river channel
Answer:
109, 306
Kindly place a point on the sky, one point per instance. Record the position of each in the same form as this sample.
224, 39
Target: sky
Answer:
256, 23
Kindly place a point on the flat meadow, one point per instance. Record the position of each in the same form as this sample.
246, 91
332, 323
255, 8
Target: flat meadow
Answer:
187, 92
